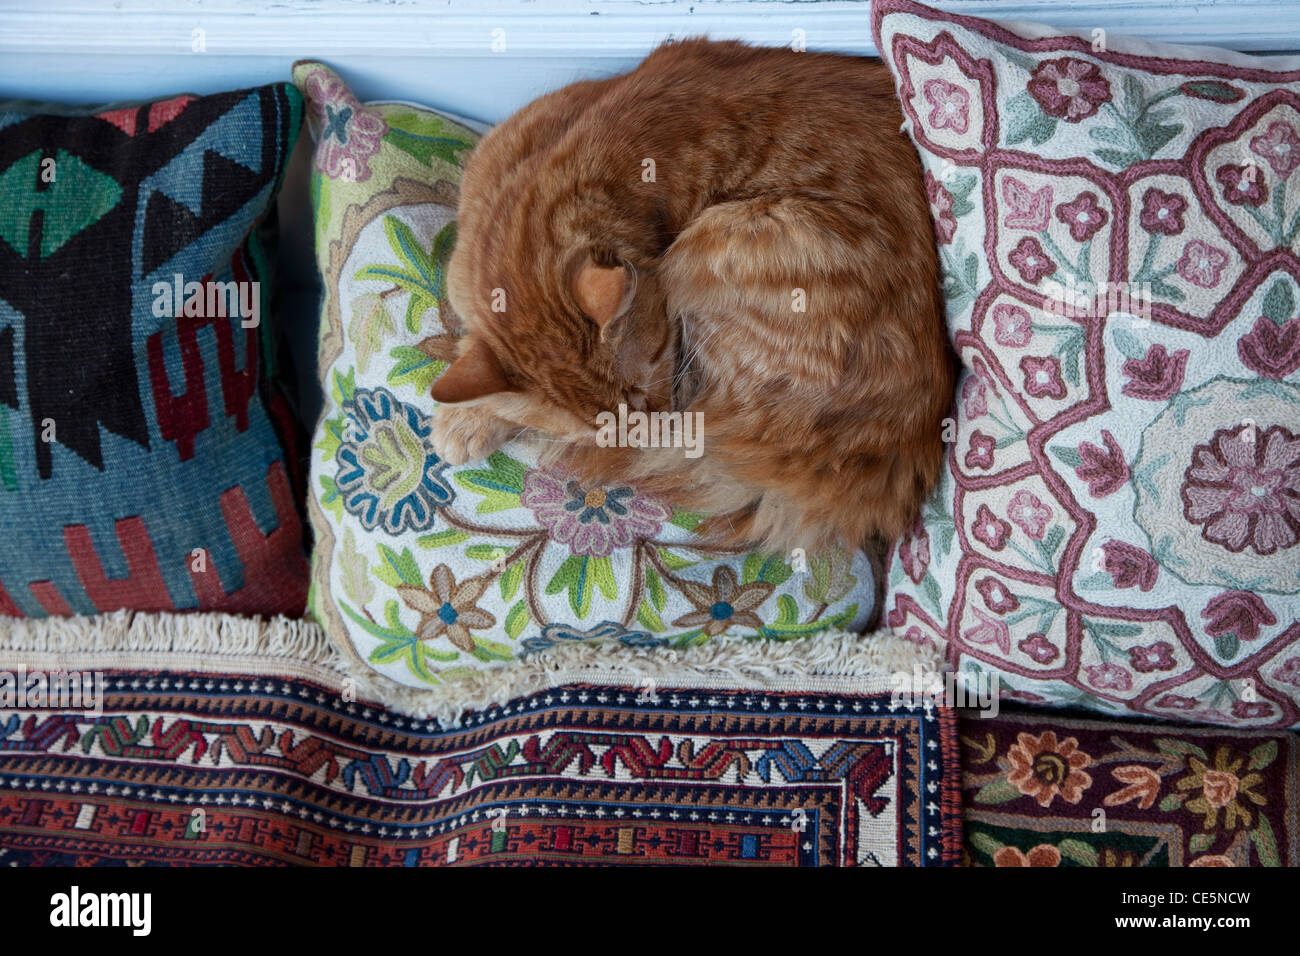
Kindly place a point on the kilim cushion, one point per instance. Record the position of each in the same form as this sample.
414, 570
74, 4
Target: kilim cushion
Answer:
146, 449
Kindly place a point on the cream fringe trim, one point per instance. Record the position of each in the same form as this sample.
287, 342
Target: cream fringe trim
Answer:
832, 661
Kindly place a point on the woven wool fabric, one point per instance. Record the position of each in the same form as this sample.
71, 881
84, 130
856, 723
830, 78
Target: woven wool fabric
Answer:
1118, 223
431, 575
1045, 790
230, 768
146, 451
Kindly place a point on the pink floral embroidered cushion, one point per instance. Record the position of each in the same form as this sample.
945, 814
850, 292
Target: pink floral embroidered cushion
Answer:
1119, 228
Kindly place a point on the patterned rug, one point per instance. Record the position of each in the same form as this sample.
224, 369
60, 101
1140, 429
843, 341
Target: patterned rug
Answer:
1043, 790
252, 770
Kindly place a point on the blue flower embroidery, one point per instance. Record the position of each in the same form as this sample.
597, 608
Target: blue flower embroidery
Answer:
389, 475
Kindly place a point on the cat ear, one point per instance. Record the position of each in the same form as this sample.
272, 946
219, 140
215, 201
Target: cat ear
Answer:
603, 292
477, 372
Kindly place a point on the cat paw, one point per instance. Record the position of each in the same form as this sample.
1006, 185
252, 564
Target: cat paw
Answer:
467, 433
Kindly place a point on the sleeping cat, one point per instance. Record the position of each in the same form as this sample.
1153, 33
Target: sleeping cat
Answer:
727, 230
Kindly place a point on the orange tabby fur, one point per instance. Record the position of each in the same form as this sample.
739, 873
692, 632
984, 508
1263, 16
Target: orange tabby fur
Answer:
774, 171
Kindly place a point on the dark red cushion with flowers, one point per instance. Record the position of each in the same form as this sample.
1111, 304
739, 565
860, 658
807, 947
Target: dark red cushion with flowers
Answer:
1119, 229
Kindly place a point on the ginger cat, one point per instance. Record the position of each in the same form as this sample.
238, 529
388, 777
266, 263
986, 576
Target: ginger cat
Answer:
735, 231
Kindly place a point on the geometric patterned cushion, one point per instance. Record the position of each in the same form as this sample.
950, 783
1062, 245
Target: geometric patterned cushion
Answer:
446, 578
1119, 229
146, 449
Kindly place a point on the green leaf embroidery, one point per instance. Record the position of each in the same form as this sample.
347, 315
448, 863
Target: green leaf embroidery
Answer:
442, 539
1079, 852
1172, 745
1200, 842
1263, 755
1067, 456
1279, 303
370, 325
1227, 645
414, 368
787, 610
345, 386
999, 791
517, 620
675, 562
425, 137
1265, 842
330, 499
501, 483
984, 843
655, 587
398, 569
765, 567
1027, 121
1213, 90
1128, 344
647, 618
353, 572
510, 579
575, 576
486, 650
486, 552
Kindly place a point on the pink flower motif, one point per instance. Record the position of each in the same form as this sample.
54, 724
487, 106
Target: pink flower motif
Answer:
1039, 648
1177, 702
989, 529
950, 105
996, 595
1042, 376
1242, 185
1270, 349
1011, 326
349, 133
914, 551
1105, 470
945, 225
980, 454
1280, 146
1156, 657
1030, 260
1068, 88
1289, 672
1109, 677
1129, 566
974, 398
1237, 612
1027, 208
1248, 710
591, 520
1202, 264
989, 631
1083, 216
1157, 377
1029, 514
1246, 493
1162, 212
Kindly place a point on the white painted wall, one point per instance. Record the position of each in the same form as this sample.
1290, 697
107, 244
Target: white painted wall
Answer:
440, 52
